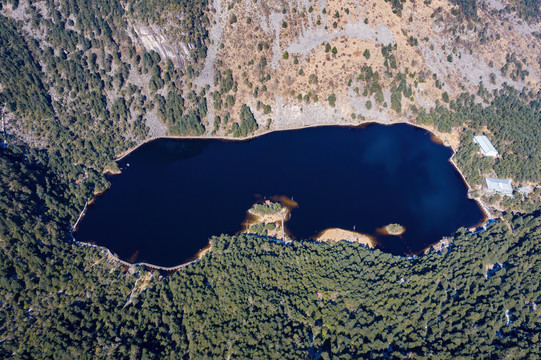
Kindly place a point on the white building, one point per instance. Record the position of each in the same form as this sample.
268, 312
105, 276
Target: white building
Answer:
500, 185
525, 190
486, 147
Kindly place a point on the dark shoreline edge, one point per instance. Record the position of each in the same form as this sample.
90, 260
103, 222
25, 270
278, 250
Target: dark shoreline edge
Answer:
434, 137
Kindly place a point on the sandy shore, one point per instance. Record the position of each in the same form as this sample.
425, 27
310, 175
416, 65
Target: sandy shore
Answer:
336, 234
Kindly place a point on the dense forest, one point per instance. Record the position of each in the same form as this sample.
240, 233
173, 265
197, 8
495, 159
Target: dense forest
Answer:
252, 297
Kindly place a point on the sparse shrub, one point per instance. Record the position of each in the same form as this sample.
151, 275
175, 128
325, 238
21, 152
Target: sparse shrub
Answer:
366, 54
332, 99
445, 97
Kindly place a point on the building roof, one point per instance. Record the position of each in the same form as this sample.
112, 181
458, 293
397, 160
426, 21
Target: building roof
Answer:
525, 189
500, 185
486, 147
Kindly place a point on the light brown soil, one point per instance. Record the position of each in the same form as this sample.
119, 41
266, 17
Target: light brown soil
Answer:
337, 234
438, 34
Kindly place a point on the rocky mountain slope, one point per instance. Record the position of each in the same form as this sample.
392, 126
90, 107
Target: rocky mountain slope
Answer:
101, 78
298, 56
296, 63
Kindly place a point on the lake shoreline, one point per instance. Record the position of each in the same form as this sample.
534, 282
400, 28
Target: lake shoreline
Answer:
435, 136
121, 262
257, 134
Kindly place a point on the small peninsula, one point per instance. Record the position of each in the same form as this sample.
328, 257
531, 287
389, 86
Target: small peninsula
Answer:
267, 219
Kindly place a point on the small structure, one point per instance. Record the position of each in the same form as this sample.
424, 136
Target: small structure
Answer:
80, 179
500, 185
525, 190
486, 147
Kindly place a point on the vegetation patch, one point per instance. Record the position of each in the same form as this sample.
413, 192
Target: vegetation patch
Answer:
267, 208
395, 229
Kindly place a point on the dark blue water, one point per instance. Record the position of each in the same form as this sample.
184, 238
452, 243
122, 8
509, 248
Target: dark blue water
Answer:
176, 194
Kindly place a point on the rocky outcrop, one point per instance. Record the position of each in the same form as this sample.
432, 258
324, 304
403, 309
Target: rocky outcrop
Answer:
158, 39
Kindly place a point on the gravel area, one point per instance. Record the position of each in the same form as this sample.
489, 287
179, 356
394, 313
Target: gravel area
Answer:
275, 25
293, 115
156, 127
313, 38
215, 35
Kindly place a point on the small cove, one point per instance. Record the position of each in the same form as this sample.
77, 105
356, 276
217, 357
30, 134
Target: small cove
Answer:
173, 195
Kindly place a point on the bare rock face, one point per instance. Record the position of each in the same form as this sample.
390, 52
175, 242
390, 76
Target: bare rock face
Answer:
161, 41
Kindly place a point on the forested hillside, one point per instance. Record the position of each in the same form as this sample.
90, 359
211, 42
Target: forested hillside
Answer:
87, 91
256, 298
